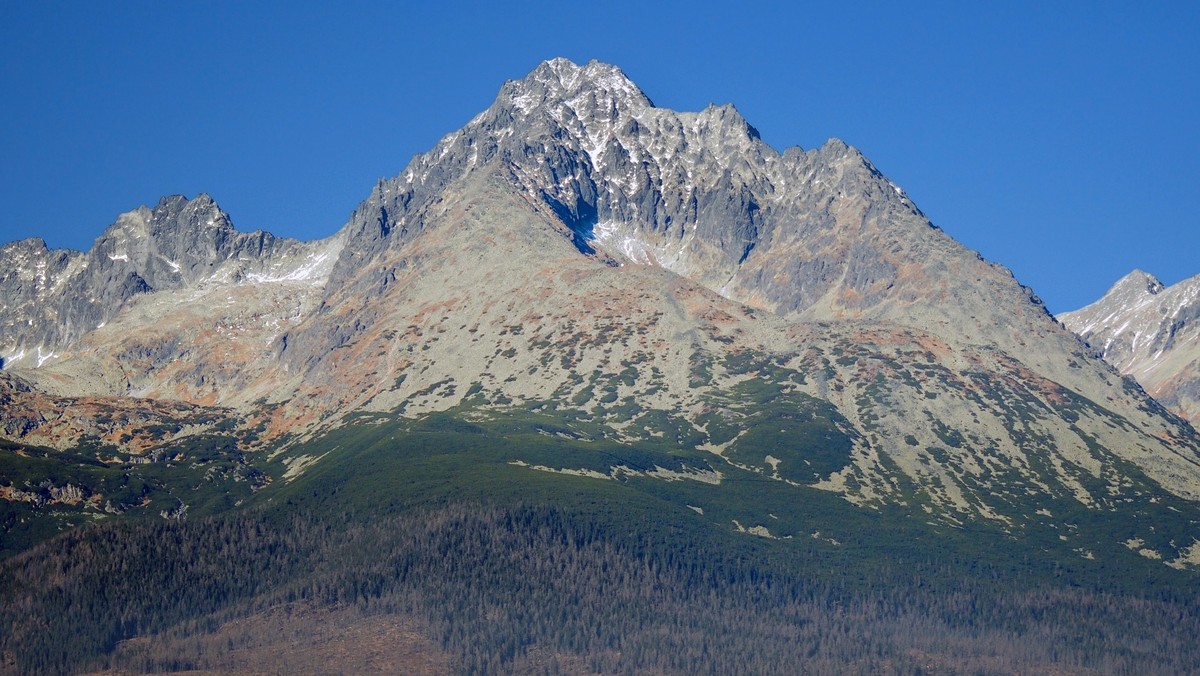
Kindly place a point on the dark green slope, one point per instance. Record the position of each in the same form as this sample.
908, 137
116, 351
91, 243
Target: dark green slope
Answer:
509, 568
51, 491
384, 465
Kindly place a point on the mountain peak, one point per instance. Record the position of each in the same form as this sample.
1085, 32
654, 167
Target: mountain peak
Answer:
697, 193
175, 222
29, 244
1149, 331
53, 298
1137, 281
1133, 291
560, 81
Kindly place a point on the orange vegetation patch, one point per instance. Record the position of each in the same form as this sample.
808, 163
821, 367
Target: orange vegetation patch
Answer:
297, 638
133, 425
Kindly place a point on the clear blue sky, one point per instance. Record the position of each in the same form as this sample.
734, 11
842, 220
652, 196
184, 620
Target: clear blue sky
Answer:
1061, 139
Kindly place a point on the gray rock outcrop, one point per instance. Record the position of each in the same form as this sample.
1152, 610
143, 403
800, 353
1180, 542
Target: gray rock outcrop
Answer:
50, 298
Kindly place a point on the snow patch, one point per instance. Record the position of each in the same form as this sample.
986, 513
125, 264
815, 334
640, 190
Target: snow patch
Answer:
525, 102
42, 358
12, 356
309, 270
617, 239
315, 268
447, 143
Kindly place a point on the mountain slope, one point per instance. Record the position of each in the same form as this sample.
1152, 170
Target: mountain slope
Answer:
1150, 332
639, 274
484, 235
591, 385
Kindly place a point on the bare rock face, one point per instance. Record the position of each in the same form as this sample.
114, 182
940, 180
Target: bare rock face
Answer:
575, 247
33, 280
49, 300
178, 258
818, 234
1150, 332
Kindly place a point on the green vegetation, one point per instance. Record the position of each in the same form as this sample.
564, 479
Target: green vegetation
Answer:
448, 521
58, 490
494, 586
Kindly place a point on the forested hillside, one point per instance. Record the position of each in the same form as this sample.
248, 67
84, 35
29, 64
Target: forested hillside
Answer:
470, 571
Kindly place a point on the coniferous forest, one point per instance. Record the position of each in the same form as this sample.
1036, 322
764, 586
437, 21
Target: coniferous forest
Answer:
424, 548
533, 589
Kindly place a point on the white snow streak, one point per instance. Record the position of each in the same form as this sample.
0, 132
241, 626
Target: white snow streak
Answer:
42, 358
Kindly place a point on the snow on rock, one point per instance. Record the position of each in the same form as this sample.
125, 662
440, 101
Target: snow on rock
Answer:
43, 358
314, 268
1148, 331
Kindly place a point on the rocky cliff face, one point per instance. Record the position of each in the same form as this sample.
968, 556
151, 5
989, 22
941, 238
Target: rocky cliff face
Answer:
1150, 332
814, 235
52, 298
575, 251
802, 233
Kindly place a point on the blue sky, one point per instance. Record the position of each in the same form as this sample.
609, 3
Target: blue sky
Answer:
1061, 139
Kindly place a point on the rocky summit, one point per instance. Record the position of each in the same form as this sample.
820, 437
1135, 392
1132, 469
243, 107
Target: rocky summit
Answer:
712, 388
1150, 332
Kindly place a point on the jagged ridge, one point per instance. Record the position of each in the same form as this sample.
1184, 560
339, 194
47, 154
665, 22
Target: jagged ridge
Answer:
51, 299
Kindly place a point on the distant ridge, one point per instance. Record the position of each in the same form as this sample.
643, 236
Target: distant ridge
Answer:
1151, 332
